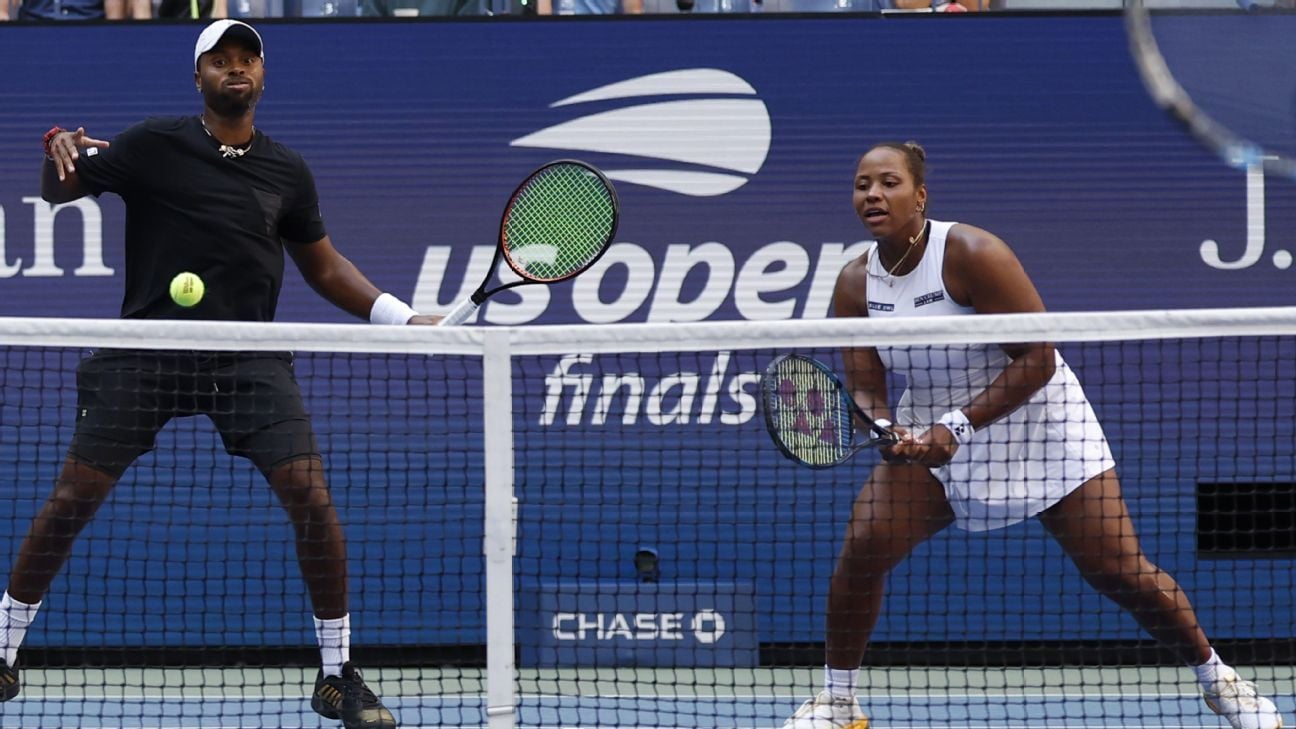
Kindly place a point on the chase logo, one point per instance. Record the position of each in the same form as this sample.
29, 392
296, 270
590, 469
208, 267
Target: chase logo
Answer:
714, 142
706, 626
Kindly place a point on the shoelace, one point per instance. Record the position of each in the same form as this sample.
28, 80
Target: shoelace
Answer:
1236, 688
366, 694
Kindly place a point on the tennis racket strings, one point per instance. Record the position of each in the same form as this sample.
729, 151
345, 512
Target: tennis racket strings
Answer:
558, 223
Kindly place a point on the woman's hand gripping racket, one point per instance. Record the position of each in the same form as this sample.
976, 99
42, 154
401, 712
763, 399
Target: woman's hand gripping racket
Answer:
557, 223
811, 416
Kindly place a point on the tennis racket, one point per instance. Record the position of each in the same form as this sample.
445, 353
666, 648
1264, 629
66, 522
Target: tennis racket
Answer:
810, 415
1227, 74
557, 223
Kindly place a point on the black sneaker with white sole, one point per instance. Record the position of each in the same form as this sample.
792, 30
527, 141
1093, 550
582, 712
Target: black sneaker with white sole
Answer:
346, 697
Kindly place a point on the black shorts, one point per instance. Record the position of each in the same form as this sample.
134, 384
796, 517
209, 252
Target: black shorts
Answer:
124, 397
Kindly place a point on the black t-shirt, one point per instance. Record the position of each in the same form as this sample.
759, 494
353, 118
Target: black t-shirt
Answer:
189, 208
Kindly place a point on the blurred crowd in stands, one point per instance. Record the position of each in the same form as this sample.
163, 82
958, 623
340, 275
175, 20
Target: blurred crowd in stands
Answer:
53, 10
38, 10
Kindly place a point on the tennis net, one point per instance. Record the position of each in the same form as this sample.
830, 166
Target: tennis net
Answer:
589, 526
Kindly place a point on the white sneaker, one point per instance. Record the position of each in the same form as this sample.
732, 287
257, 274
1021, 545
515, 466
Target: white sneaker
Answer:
826, 712
1239, 702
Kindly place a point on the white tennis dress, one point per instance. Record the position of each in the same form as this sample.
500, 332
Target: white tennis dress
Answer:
1022, 463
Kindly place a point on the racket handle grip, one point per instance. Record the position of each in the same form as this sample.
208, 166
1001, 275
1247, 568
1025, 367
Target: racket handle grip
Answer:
460, 313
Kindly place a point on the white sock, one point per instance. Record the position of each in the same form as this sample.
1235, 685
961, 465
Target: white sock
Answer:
840, 682
15, 617
334, 638
1208, 673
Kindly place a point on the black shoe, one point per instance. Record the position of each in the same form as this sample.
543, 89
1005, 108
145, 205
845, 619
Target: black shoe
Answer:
346, 697
9, 683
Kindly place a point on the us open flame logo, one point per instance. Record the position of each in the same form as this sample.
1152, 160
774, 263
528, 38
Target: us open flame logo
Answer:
721, 138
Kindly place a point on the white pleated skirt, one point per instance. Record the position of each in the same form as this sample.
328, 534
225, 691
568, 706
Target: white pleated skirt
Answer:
1023, 463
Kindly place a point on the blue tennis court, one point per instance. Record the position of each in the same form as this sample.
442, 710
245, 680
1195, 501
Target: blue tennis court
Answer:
1099, 711
259, 698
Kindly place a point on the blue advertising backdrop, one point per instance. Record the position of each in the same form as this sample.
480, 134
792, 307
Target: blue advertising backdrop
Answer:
733, 143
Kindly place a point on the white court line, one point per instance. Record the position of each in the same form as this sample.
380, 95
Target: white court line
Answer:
913, 695
1022, 724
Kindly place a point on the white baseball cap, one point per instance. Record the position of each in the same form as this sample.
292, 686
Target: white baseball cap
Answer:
213, 34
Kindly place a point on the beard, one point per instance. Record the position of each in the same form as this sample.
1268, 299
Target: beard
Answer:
232, 104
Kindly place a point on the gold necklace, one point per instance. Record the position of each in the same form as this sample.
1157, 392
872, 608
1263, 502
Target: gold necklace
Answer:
889, 276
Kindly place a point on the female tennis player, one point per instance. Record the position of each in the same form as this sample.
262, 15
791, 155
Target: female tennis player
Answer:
990, 436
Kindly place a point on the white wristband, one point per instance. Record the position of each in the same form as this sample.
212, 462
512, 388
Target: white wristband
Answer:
388, 309
956, 421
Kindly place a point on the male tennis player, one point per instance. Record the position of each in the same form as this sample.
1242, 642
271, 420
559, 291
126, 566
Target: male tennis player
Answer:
213, 195
990, 436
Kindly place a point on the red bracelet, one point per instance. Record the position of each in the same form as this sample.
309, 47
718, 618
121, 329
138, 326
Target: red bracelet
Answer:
49, 137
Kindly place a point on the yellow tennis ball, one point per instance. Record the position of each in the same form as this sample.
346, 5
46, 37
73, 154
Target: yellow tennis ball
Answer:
187, 289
